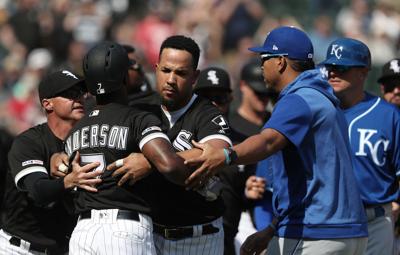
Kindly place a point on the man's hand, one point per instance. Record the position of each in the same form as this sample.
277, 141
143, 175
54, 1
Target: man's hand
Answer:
211, 160
257, 242
83, 177
395, 211
59, 165
255, 187
132, 168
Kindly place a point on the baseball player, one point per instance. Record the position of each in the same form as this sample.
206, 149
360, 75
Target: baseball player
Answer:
138, 86
115, 220
315, 195
390, 81
214, 84
374, 133
35, 207
186, 221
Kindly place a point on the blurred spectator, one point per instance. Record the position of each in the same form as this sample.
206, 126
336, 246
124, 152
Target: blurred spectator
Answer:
321, 36
390, 81
23, 105
353, 21
25, 23
88, 22
154, 28
242, 18
385, 31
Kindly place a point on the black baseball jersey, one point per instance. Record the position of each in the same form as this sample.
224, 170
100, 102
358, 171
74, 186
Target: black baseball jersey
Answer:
199, 121
45, 225
106, 134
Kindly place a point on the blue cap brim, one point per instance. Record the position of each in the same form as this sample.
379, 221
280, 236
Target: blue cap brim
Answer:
257, 49
341, 62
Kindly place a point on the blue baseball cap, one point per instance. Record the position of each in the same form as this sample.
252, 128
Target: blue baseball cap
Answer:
286, 41
348, 52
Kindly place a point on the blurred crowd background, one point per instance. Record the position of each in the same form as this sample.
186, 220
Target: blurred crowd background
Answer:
38, 36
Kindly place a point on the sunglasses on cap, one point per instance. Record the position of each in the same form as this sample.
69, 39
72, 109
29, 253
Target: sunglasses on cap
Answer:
338, 68
134, 65
389, 87
72, 93
268, 56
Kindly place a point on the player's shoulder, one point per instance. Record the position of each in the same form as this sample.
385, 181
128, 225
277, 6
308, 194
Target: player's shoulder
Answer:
203, 107
32, 135
383, 107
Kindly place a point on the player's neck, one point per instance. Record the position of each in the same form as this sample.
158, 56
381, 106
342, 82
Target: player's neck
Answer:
60, 128
348, 100
257, 118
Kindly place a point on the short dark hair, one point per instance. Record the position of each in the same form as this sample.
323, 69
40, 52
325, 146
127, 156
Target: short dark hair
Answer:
181, 42
301, 65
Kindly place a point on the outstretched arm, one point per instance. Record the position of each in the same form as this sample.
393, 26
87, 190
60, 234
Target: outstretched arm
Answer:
251, 150
136, 166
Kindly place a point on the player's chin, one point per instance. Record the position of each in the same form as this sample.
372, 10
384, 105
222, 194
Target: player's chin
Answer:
78, 114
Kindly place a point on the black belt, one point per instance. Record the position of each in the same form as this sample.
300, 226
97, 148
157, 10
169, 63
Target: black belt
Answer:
122, 215
182, 232
16, 241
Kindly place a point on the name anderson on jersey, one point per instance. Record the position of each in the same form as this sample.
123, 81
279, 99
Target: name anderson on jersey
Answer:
114, 137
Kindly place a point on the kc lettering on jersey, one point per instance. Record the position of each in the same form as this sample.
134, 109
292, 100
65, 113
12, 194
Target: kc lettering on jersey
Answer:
370, 140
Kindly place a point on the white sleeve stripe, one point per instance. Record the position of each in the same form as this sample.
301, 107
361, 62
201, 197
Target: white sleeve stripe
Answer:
29, 170
151, 137
221, 137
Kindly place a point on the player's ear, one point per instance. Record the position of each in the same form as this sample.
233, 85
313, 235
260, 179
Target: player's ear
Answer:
47, 104
281, 63
382, 87
195, 76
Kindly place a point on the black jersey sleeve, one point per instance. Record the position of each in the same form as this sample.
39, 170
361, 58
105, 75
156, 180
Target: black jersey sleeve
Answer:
44, 190
27, 155
212, 125
146, 127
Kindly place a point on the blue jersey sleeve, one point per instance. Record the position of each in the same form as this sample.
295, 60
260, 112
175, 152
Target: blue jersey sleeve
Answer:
292, 118
396, 152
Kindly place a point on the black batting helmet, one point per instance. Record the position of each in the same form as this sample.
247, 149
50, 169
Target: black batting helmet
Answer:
105, 67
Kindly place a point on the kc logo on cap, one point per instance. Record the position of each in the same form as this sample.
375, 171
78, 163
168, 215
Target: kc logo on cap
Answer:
337, 50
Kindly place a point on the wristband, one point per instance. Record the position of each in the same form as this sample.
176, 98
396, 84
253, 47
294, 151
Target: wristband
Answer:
230, 156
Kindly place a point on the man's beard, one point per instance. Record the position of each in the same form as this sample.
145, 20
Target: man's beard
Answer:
169, 104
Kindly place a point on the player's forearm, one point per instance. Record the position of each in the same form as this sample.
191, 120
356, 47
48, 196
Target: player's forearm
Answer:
258, 147
43, 190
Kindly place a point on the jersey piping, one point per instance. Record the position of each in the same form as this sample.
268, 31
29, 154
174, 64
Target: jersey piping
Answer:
221, 137
362, 115
151, 137
29, 170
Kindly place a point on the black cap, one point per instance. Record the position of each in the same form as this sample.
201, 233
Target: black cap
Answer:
58, 82
390, 70
213, 78
252, 75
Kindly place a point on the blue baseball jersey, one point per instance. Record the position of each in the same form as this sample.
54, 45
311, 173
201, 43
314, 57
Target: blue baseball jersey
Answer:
315, 193
374, 133
263, 211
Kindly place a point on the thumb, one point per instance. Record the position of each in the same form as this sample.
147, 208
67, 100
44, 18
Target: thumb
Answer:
198, 145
